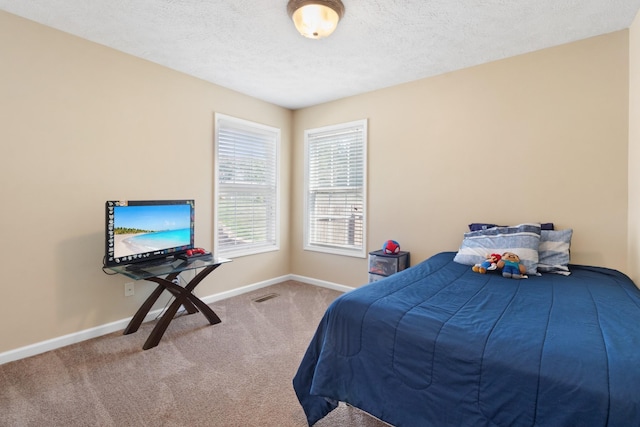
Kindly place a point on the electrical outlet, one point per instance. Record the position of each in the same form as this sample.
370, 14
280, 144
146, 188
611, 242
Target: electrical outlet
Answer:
129, 289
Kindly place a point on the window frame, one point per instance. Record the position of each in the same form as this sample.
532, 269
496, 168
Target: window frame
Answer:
359, 252
271, 244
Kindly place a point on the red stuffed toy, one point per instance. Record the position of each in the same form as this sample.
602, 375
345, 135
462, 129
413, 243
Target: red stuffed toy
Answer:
491, 263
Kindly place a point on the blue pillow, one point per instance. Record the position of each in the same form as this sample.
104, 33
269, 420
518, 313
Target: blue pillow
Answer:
476, 226
523, 240
554, 251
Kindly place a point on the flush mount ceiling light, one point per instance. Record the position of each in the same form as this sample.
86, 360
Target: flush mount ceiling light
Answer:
315, 18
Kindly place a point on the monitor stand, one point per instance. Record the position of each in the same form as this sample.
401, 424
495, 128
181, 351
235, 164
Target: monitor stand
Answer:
164, 275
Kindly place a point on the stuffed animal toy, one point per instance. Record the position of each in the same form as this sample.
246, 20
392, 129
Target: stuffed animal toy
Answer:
511, 266
491, 263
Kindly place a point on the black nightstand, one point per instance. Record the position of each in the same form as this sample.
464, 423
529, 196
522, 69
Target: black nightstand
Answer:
382, 265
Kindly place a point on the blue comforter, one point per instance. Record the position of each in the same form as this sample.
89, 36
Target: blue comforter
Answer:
440, 345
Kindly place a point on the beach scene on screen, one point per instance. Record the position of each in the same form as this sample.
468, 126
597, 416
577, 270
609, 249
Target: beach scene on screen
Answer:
141, 229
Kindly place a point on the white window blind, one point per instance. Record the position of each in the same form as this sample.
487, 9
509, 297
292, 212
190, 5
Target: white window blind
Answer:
247, 187
335, 167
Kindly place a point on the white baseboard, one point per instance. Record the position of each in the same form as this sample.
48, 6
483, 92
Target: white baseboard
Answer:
322, 283
119, 325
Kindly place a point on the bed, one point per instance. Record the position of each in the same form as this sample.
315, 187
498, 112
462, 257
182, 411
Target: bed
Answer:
440, 345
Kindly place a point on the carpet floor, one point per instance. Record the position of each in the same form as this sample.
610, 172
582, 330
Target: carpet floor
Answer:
235, 373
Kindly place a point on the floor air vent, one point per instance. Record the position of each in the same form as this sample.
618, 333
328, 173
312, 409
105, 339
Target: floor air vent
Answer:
264, 298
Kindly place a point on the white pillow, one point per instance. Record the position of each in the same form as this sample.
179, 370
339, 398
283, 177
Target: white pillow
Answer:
523, 240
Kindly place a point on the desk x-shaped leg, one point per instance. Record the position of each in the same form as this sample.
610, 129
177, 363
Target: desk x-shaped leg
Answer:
183, 296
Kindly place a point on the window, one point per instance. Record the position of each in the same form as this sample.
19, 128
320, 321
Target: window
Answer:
247, 192
335, 188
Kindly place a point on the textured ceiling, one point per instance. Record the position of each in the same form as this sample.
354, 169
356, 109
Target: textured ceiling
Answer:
252, 47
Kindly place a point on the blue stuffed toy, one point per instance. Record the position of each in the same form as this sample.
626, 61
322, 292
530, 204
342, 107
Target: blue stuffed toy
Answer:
511, 266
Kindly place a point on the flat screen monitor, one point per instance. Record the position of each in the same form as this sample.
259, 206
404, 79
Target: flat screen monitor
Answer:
144, 230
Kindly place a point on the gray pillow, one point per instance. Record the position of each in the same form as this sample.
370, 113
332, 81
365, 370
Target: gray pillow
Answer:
523, 240
553, 253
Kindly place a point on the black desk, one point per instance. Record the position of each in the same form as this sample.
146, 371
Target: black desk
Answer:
164, 276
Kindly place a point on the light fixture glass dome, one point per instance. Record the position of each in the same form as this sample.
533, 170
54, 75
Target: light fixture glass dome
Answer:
315, 19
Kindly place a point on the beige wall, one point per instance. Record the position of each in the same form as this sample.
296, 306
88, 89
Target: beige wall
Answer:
634, 151
537, 137
82, 124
